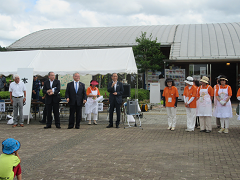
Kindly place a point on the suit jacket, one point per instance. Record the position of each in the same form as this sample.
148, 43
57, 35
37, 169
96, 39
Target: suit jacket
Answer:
55, 98
119, 90
73, 96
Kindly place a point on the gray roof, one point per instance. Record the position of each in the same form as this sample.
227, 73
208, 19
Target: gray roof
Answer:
206, 41
192, 41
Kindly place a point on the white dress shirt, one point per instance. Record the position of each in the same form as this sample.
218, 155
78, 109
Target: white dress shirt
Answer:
115, 87
75, 84
51, 83
17, 89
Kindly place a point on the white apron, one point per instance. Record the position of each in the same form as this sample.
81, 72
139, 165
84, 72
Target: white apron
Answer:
223, 111
204, 105
91, 106
215, 99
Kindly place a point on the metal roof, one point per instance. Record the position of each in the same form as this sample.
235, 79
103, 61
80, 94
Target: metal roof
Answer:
92, 37
206, 41
191, 41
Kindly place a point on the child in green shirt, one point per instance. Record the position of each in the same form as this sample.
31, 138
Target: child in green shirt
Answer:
10, 160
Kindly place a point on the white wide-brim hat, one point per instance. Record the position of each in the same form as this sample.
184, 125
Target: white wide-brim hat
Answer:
189, 80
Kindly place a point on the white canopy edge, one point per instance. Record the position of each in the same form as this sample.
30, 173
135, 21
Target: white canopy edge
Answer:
89, 61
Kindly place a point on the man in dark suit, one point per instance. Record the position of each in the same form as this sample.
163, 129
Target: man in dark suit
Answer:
76, 96
52, 89
115, 89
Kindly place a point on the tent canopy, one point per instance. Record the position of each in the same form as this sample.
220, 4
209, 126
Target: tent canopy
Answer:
89, 61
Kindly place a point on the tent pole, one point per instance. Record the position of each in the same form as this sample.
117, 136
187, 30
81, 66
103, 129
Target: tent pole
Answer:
100, 80
137, 85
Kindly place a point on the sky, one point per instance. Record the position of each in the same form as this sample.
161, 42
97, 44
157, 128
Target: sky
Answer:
19, 18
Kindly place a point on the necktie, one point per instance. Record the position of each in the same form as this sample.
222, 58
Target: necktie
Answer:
76, 87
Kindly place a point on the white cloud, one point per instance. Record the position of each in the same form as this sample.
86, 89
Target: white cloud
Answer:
6, 23
11, 7
54, 8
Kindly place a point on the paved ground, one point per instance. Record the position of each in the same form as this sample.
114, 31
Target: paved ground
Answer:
95, 152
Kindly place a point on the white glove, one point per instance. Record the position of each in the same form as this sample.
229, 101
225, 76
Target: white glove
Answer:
222, 102
238, 98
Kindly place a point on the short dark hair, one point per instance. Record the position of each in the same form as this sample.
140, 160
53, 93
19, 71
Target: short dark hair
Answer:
160, 76
50, 73
169, 80
196, 83
114, 73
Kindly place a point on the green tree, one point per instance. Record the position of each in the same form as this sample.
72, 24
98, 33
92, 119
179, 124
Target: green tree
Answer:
2, 48
148, 54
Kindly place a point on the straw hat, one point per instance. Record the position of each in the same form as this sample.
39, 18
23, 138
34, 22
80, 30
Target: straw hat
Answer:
205, 79
10, 146
189, 80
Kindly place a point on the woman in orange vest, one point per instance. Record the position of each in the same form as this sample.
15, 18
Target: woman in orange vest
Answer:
238, 97
189, 95
204, 105
224, 107
91, 106
170, 99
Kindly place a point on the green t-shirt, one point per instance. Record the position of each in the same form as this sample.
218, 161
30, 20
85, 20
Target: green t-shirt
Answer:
7, 162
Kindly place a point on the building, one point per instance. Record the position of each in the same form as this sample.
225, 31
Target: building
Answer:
200, 49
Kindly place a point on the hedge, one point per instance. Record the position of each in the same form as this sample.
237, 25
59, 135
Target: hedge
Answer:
142, 94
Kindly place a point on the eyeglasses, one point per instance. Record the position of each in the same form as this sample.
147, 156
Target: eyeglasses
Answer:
222, 80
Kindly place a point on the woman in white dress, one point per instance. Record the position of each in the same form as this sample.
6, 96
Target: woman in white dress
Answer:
224, 107
204, 105
91, 106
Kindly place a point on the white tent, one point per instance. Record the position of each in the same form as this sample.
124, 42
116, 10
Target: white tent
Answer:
90, 61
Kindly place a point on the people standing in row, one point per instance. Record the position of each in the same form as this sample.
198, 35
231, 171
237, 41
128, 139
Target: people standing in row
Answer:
189, 95
204, 105
35, 91
91, 106
215, 100
17, 91
2, 82
52, 89
223, 108
170, 99
115, 88
76, 96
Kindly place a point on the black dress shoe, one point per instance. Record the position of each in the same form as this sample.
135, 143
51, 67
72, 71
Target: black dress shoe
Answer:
117, 126
58, 127
47, 127
208, 131
70, 127
109, 126
203, 131
77, 127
